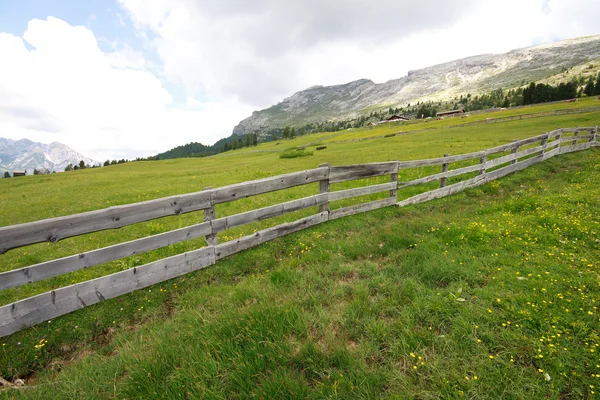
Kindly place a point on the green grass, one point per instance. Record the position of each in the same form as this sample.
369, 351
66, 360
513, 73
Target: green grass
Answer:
295, 153
396, 303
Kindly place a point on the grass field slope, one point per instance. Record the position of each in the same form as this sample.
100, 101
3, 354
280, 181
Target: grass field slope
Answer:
491, 293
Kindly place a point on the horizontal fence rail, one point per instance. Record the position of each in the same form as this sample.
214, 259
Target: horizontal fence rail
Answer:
489, 165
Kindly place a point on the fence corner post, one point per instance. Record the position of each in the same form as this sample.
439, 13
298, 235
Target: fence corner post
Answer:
444, 179
209, 216
324, 188
394, 178
594, 137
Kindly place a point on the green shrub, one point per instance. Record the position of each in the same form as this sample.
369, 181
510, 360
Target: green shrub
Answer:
295, 153
321, 147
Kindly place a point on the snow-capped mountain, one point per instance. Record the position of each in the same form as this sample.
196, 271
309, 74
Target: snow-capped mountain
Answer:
27, 155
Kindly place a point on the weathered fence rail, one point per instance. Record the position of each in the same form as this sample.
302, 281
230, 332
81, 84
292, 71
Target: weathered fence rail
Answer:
490, 164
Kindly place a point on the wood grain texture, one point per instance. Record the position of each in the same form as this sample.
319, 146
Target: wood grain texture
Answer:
55, 229
324, 188
87, 259
359, 208
361, 171
443, 192
235, 246
438, 161
209, 216
252, 188
261, 214
576, 147
362, 191
435, 177
513, 168
36, 309
444, 178
519, 143
578, 129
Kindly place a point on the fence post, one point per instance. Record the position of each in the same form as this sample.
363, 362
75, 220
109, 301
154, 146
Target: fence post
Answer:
594, 133
443, 180
544, 143
514, 150
394, 178
559, 138
575, 134
324, 188
209, 215
482, 161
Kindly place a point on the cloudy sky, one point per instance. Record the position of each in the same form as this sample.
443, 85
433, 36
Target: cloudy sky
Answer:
129, 78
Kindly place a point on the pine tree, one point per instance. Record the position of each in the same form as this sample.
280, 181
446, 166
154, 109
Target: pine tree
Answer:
597, 87
589, 89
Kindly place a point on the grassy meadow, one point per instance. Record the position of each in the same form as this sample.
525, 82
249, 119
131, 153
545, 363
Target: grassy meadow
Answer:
491, 293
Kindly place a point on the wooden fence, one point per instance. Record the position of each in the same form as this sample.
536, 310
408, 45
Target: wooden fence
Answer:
489, 165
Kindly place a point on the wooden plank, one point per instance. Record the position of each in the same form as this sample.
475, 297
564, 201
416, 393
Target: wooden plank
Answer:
435, 177
88, 259
260, 214
514, 157
235, 246
36, 309
361, 191
55, 229
519, 143
361, 171
359, 208
578, 129
324, 188
571, 139
246, 189
577, 147
513, 168
443, 192
438, 161
551, 153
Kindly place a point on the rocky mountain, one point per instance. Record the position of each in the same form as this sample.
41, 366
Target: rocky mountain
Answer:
441, 82
27, 155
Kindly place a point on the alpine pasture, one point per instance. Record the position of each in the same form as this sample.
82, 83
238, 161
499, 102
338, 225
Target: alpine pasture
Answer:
490, 293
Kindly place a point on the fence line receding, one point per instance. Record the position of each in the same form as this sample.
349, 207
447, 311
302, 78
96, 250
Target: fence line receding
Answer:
45, 306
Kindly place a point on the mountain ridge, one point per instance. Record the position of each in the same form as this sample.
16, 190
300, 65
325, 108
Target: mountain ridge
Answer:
474, 74
25, 154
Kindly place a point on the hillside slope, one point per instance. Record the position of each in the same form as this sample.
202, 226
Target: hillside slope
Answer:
469, 75
490, 291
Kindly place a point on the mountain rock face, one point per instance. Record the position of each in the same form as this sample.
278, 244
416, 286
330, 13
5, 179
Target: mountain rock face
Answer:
441, 82
27, 155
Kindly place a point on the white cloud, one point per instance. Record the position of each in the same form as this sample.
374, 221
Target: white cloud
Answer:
263, 50
230, 57
105, 105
